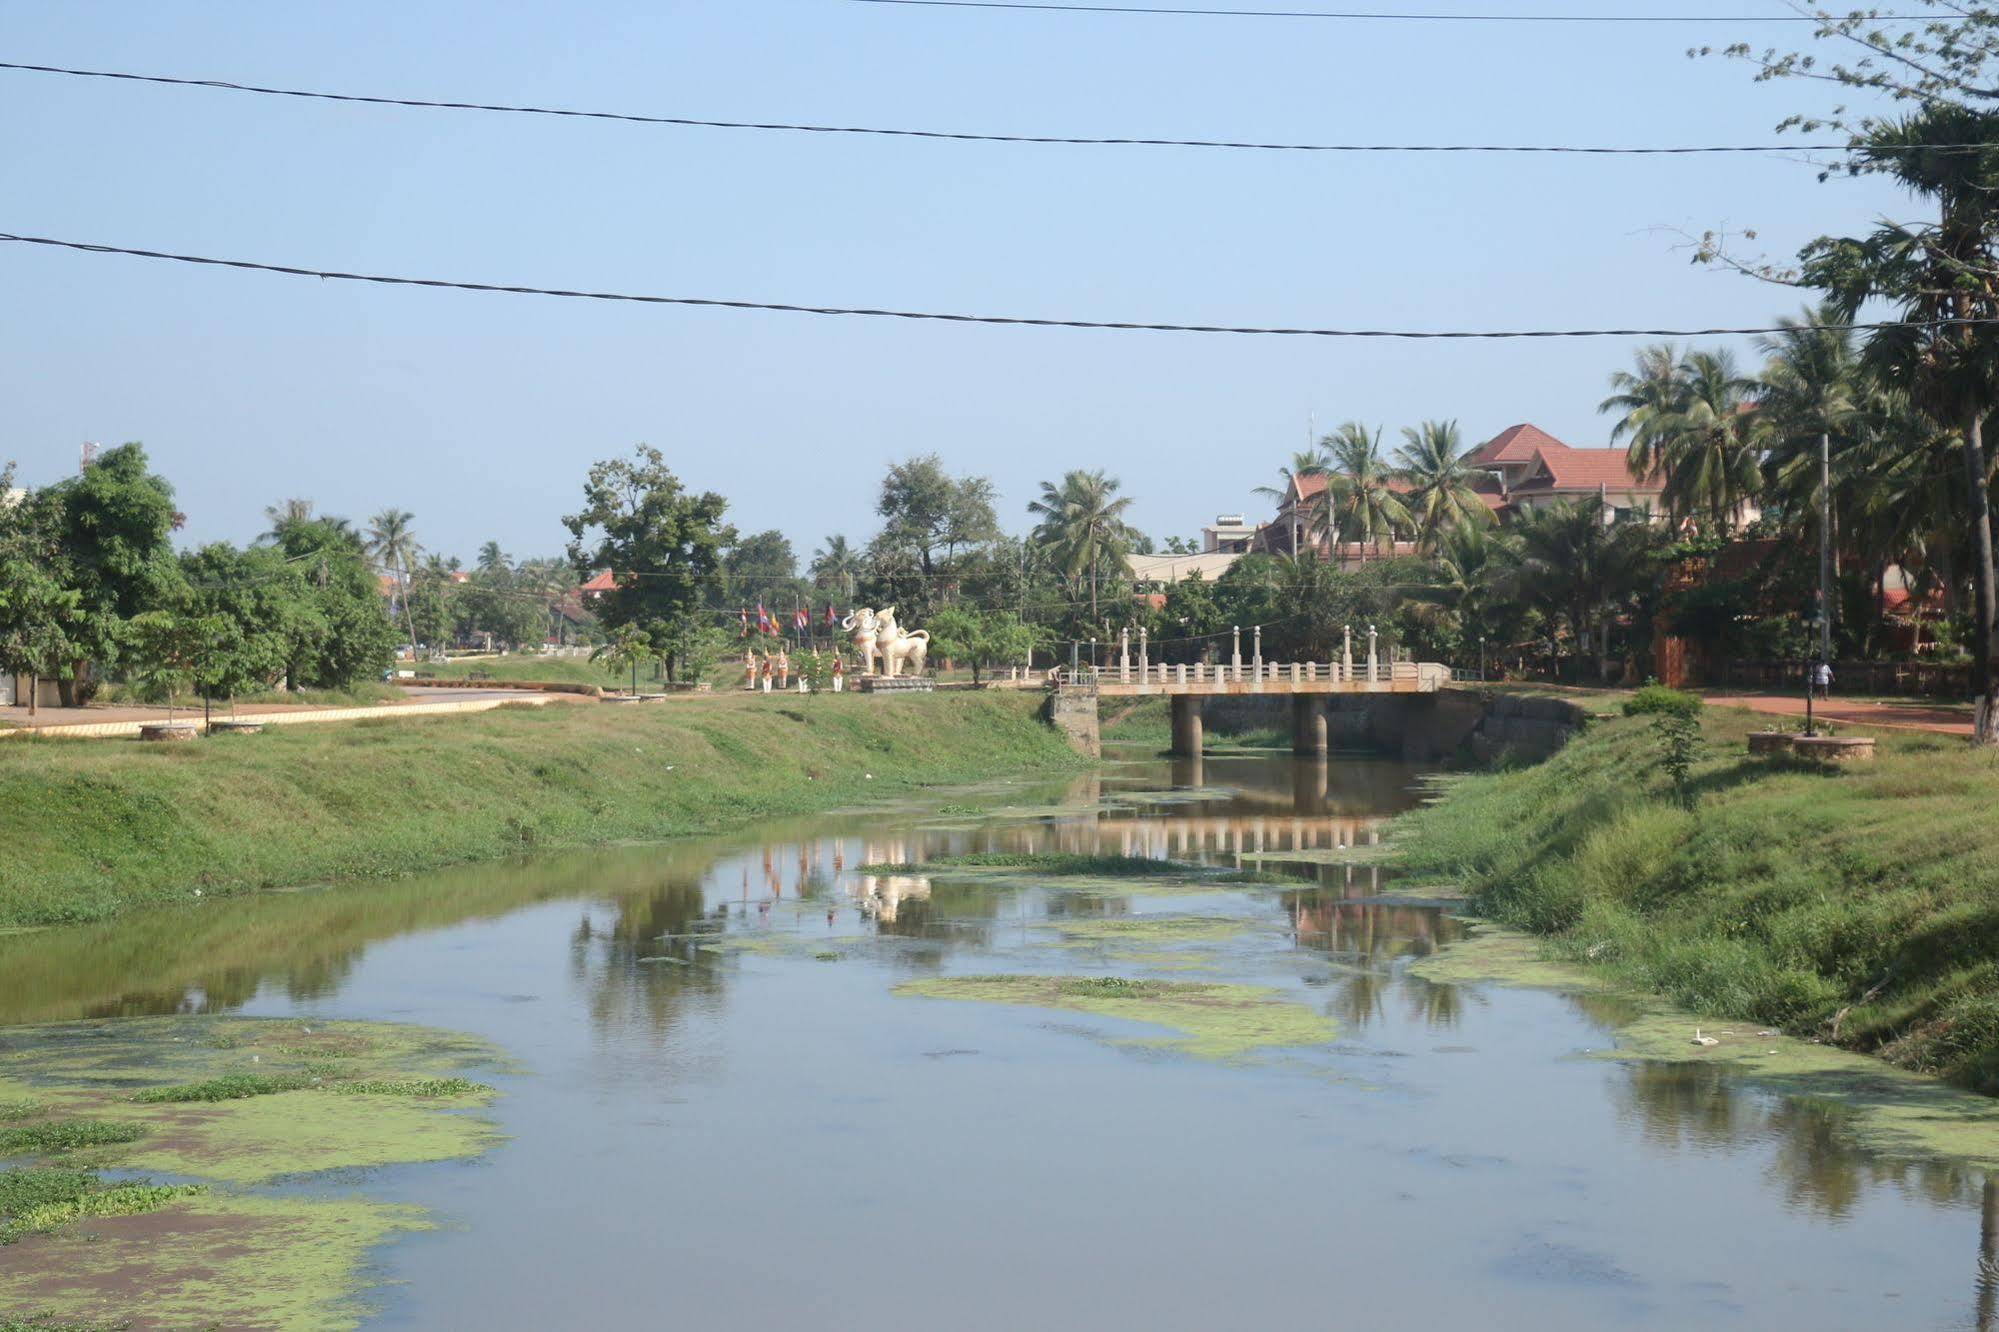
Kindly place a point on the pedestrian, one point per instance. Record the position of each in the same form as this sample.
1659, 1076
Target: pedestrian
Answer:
839, 674
1822, 679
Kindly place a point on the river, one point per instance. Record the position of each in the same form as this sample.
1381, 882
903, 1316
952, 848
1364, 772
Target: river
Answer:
725, 1115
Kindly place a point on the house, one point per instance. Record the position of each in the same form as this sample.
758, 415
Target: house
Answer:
1223, 542
597, 585
1291, 531
1533, 470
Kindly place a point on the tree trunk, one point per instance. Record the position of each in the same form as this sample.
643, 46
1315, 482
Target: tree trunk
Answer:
34, 688
1985, 607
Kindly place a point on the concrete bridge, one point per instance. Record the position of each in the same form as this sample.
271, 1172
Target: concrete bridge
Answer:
1309, 684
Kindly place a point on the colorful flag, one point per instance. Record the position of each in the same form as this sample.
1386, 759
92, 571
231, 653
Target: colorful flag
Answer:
799, 620
764, 625
829, 615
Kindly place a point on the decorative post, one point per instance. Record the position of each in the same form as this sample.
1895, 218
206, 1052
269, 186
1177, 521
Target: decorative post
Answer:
1124, 656
1235, 654
1259, 651
1143, 661
1370, 655
1346, 653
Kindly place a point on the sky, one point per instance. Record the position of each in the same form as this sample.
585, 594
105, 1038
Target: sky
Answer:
481, 413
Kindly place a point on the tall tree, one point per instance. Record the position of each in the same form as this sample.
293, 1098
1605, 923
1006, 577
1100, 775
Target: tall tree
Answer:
392, 542
112, 523
662, 544
933, 514
1944, 278
1646, 397
36, 608
1359, 502
1442, 496
1083, 520
835, 567
1709, 454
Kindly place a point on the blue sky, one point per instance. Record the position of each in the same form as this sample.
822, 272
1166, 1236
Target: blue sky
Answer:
481, 413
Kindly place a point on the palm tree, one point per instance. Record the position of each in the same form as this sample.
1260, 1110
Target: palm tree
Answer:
1646, 398
1359, 499
1085, 524
493, 560
1709, 454
393, 546
283, 517
836, 566
1433, 462
1562, 550
1305, 463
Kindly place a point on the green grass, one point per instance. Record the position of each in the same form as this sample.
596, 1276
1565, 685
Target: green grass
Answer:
229, 1087
1856, 905
425, 1087
53, 1137
89, 829
569, 670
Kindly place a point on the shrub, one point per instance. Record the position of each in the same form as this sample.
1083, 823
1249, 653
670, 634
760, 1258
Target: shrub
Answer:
1657, 700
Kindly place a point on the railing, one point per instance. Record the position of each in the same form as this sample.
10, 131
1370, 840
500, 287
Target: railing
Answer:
1279, 675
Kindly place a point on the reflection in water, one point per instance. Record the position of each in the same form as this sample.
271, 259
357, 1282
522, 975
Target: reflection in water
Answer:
640, 922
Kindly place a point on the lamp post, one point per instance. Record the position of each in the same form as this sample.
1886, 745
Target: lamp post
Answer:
1481, 658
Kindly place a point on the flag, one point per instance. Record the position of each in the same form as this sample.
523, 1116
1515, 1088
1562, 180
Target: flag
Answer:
799, 619
829, 615
764, 625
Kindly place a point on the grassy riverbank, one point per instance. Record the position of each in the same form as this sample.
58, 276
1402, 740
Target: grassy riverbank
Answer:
1858, 906
89, 828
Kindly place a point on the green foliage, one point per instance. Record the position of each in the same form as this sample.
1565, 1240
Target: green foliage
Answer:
36, 608
419, 1087
1859, 905
663, 544
1679, 736
52, 1137
623, 648
981, 639
229, 1087
89, 831
1657, 700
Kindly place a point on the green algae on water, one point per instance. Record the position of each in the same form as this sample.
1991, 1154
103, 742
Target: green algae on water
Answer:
1214, 1021
1880, 1108
230, 1105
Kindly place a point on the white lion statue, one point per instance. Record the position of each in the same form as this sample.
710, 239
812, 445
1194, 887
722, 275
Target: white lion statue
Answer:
863, 624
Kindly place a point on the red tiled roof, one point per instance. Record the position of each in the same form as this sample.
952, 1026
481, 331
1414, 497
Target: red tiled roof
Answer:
602, 582
1515, 444
1309, 484
1586, 469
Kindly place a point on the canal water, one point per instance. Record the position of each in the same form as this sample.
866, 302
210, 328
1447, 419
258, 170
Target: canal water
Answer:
726, 1116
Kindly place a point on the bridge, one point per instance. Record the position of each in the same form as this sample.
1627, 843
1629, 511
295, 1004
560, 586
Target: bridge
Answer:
1309, 684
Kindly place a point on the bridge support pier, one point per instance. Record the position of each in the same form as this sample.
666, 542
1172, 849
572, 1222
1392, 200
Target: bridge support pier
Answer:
1187, 733
1311, 722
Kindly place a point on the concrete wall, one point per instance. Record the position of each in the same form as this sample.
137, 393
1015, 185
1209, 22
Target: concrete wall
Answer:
1074, 713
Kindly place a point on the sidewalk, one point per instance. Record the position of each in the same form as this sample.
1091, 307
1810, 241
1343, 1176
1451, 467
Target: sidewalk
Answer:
94, 722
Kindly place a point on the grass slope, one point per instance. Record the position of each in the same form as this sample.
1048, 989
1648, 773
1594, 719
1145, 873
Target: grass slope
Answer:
92, 828
1859, 906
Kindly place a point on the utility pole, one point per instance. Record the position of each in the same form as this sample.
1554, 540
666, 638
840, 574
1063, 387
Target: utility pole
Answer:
1825, 546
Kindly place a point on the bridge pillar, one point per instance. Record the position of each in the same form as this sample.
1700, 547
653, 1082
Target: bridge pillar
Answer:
1187, 734
1310, 724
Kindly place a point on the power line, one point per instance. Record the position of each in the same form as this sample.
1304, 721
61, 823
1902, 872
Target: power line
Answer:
1386, 16
1016, 321
420, 103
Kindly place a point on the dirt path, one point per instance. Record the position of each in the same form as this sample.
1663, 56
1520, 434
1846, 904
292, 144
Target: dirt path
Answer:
1914, 715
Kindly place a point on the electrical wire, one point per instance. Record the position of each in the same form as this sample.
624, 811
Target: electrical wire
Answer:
1016, 321
968, 137
1389, 16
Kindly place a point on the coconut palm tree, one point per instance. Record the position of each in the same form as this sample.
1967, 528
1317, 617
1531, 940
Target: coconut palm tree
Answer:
1304, 463
494, 560
1083, 520
1441, 495
1707, 444
392, 544
1359, 501
836, 565
1647, 396
283, 517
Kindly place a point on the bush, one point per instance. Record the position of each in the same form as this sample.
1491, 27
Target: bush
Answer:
1659, 701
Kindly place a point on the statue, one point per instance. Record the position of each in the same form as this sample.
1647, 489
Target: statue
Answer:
862, 624
899, 647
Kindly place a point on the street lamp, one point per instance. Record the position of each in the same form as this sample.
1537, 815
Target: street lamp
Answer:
1481, 658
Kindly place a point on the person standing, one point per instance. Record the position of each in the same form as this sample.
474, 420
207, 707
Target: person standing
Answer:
1822, 679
